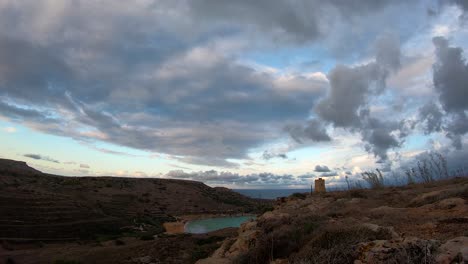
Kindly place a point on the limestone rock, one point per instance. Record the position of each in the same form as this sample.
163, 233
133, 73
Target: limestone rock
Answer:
454, 251
411, 249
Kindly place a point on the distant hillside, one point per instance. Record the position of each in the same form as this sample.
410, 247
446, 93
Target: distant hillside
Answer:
38, 206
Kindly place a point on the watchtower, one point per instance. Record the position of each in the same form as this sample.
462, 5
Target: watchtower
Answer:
319, 186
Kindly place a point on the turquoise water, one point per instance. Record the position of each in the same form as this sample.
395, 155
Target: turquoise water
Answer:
212, 224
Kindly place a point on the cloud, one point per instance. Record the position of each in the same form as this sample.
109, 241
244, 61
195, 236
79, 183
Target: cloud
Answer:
329, 174
351, 90
171, 77
267, 155
84, 166
260, 179
352, 87
313, 130
432, 115
307, 176
320, 168
9, 129
290, 21
450, 78
197, 121
40, 157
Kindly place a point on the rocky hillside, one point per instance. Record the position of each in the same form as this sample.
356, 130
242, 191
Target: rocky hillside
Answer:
423, 223
43, 207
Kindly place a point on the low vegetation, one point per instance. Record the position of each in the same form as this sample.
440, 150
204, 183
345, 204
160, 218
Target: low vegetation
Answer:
428, 169
384, 224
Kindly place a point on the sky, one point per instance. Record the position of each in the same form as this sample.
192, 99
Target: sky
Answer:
242, 94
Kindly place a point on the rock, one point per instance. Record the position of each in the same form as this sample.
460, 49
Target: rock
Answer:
377, 228
213, 260
424, 198
271, 214
244, 241
408, 250
450, 203
247, 226
453, 251
143, 260
280, 261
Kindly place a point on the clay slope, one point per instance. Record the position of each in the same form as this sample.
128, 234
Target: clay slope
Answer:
424, 223
38, 206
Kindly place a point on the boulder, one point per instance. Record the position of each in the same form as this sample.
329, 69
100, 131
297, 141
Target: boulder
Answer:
453, 251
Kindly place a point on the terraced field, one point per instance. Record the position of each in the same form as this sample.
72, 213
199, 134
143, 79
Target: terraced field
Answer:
39, 207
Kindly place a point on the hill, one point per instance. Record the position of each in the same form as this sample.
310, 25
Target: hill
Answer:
41, 207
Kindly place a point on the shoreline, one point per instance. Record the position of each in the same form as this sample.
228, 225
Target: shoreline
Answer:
178, 227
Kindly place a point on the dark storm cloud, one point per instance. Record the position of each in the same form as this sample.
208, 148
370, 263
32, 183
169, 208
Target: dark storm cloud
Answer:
313, 130
432, 117
267, 155
40, 157
164, 76
30, 71
450, 78
462, 4
379, 136
152, 88
303, 20
351, 89
329, 174
321, 168
387, 52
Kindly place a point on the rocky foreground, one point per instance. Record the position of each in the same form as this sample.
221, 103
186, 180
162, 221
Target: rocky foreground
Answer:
424, 223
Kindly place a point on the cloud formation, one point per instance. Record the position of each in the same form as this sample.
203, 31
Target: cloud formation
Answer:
210, 82
351, 89
40, 157
450, 78
259, 179
153, 89
321, 168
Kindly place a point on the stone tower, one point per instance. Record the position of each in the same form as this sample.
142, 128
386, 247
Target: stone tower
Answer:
319, 186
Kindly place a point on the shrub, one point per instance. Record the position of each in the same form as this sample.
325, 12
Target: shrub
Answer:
63, 261
375, 180
119, 242
299, 195
279, 238
336, 245
357, 193
209, 240
147, 237
201, 252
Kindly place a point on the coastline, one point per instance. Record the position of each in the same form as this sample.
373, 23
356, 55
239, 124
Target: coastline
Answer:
178, 227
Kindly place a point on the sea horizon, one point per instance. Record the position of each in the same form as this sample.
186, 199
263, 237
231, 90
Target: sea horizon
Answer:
270, 193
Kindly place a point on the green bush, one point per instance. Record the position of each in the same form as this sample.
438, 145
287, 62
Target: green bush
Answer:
299, 195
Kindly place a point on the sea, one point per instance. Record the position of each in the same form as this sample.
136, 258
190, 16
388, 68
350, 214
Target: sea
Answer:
269, 193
